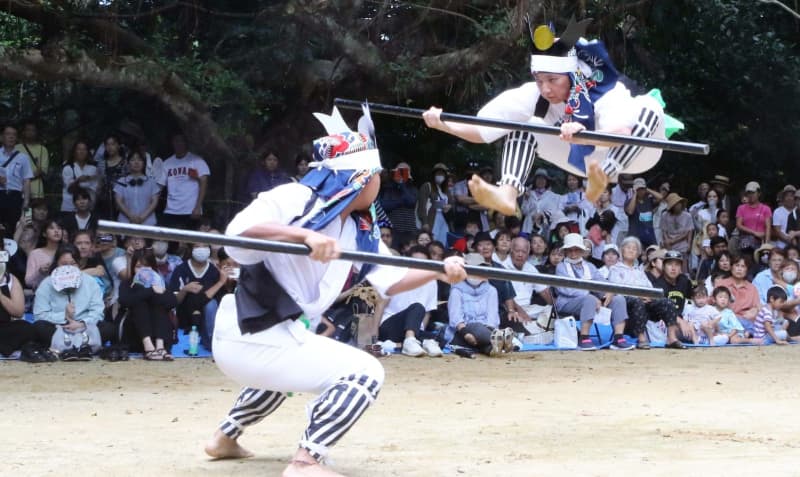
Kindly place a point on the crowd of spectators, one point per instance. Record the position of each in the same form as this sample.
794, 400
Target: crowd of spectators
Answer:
728, 262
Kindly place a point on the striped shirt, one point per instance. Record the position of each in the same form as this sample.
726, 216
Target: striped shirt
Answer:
764, 315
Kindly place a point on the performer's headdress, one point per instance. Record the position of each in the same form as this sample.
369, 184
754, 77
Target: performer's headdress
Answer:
552, 55
344, 162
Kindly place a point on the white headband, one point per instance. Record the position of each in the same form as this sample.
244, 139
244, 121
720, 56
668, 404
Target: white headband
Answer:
554, 64
357, 161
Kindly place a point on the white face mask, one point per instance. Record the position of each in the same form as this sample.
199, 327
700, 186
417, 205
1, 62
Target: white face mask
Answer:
439, 179
790, 277
2, 269
474, 281
712, 202
160, 248
765, 259
201, 254
574, 261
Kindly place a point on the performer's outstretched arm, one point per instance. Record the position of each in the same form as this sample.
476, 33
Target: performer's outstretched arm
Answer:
467, 132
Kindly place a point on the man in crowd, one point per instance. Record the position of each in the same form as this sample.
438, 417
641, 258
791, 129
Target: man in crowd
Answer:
15, 180
785, 227
38, 155
186, 180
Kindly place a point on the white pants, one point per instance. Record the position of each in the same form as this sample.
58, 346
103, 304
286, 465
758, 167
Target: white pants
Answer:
286, 358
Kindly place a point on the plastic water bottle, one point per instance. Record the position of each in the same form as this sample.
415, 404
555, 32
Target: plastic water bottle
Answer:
194, 341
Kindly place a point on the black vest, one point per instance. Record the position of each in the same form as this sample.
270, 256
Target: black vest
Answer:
261, 302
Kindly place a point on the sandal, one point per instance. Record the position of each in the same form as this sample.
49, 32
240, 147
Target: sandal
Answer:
643, 345
165, 354
676, 345
153, 355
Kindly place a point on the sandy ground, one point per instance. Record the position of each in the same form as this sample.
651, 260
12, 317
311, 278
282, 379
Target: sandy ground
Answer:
698, 412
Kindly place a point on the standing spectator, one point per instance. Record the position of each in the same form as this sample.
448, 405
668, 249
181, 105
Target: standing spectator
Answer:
15, 180
113, 169
399, 199
604, 204
753, 220
78, 173
82, 218
619, 197
465, 206
301, 161
584, 304
663, 189
574, 204
677, 227
640, 209
136, 195
38, 155
196, 283
433, 202
266, 176
702, 192
538, 204
186, 180
721, 184
40, 259
785, 227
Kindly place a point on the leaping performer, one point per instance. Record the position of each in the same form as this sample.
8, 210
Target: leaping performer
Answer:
577, 88
258, 341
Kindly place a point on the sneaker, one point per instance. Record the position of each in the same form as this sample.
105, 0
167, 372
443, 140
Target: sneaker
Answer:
85, 353
508, 340
621, 344
432, 348
498, 341
69, 354
412, 347
586, 344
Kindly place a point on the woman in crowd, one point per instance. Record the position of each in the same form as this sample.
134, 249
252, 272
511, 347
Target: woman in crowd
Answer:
136, 195
83, 218
196, 283
433, 202
746, 302
40, 259
39, 215
574, 204
90, 262
677, 227
148, 304
538, 250
554, 256
75, 310
753, 220
301, 161
423, 239
115, 170
502, 248
655, 265
720, 271
538, 204
640, 310
79, 172
15, 332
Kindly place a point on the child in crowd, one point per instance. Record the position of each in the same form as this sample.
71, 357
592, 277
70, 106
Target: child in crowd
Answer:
703, 317
728, 325
764, 327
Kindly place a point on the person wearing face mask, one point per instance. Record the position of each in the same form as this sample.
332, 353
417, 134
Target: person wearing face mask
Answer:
74, 311
771, 276
473, 311
538, 204
195, 283
434, 204
166, 263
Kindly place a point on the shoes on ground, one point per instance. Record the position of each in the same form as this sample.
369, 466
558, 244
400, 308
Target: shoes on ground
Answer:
586, 344
621, 344
432, 348
498, 341
412, 347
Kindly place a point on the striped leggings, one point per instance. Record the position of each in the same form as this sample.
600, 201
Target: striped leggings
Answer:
519, 151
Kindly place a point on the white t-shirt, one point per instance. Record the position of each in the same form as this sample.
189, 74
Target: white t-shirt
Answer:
71, 172
524, 290
424, 295
182, 190
780, 218
313, 285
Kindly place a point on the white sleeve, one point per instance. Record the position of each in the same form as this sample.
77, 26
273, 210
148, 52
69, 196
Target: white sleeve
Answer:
429, 297
779, 218
382, 277
516, 104
277, 206
202, 167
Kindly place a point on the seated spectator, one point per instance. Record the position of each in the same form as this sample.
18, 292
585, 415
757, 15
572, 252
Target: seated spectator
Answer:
584, 304
405, 316
678, 288
746, 303
301, 161
654, 266
15, 332
771, 276
792, 253
40, 259
91, 263
196, 283
728, 325
502, 248
721, 270
473, 309
538, 250
513, 225
166, 263
423, 239
436, 250
106, 247
560, 226
148, 303
18, 252
387, 237
538, 204
525, 291
39, 213
760, 260
640, 310
703, 317
717, 245
231, 269
266, 176
610, 258
510, 312
599, 233
764, 326
75, 311
78, 173
677, 228
136, 195
554, 256
82, 218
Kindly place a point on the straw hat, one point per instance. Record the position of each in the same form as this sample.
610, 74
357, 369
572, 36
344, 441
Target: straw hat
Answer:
674, 199
767, 247
721, 180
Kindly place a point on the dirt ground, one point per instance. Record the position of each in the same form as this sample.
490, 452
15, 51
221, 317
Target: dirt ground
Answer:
698, 412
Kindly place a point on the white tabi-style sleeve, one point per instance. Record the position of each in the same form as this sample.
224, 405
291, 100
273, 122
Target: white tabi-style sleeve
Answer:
382, 277
277, 206
516, 104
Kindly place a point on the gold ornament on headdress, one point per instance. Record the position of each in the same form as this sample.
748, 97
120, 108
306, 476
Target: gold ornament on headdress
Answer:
543, 37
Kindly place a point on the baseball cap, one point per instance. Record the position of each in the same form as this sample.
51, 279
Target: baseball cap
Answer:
105, 238
752, 186
482, 236
673, 255
639, 183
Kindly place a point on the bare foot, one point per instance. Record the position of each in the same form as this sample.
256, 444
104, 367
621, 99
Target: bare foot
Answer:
303, 465
598, 181
223, 447
502, 199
